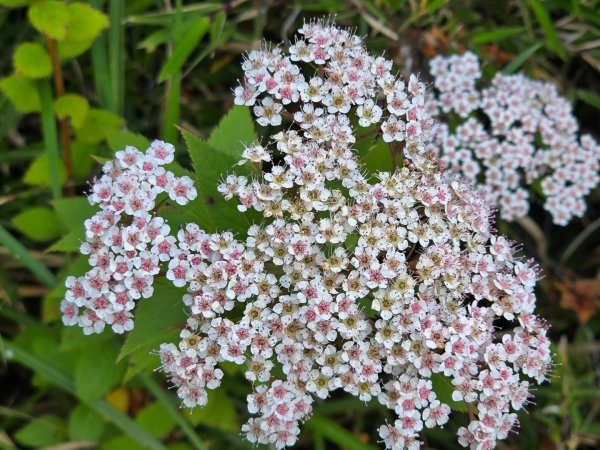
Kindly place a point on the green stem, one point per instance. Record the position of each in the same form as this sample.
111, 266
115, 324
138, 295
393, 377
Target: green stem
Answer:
120, 420
116, 53
50, 136
22, 254
166, 401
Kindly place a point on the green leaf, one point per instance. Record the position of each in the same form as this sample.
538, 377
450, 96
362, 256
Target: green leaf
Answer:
14, 3
86, 23
32, 60
72, 212
377, 158
96, 125
520, 59
50, 18
496, 35
443, 388
22, 93
85, 424
44, 431
71, 49
184, 47
211, 166
156, 420
589, 97
122, 443
97, 372
119, 139
73, 106
37, 173
545, 22
219, 412
216, 30
81, 156
335, 433
234, 132
37, 223
158, 319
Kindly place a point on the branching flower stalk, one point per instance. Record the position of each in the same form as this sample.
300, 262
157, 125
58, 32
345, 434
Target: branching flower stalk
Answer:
379, 285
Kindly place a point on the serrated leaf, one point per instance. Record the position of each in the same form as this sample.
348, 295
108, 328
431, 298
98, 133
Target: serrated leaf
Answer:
86, 22
37, 173
158, 319
156, 420
234, 132
32, 60
219, 412
71, 49
85, 424
97, 372
22, 93
96, 125
119, 139
44, 431
37, 223
211, 166
443, 388
73, 106
50, 17
184, 47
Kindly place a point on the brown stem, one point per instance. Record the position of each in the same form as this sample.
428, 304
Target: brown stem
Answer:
65, 132
395, 149
368, 133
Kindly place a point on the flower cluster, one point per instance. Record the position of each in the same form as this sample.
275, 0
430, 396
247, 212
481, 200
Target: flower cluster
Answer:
515, 135
346, 80
125, 242
380, 285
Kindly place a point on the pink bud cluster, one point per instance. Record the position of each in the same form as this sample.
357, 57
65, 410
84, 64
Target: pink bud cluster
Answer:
346, 81
127, 244
514, 136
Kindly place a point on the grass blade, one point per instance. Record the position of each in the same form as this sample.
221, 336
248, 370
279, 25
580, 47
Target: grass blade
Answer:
100, 67
116, 51
496, 35
520, 59
172, 107
184, 48
22, 254
166, 401
336, 433
50, 136
545, 22
120, 420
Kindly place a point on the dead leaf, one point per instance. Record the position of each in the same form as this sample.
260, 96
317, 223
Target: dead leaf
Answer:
434, 42
582, 296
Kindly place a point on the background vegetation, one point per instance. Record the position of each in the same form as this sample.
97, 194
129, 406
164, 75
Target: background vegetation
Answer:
79, 80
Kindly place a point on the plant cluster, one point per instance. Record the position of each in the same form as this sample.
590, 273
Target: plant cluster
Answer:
515, 135
383, 286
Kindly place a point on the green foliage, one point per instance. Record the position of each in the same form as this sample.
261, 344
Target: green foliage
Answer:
96, 372
37, 223
184, 47
97, 124
72, 212
50, 18
157, 320
85, 424
31, 60
73, 106
22, 93
86, 23
156, 420
219, 412
443, 389
37, 173
45, 431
